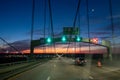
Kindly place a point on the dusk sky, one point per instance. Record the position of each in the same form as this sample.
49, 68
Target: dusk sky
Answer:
16, 17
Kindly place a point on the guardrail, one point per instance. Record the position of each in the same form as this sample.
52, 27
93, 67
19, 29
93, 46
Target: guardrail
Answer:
5, 74
14, 63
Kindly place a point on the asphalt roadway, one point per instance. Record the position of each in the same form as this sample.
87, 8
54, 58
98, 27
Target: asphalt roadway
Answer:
65, 69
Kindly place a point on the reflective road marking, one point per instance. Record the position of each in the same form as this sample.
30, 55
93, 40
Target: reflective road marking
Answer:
48, 78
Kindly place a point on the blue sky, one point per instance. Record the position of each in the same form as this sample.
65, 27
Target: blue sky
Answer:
15, 18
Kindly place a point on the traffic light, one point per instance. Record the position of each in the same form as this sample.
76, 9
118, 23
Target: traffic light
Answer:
94, 40
78, 39
49, 40
63, 39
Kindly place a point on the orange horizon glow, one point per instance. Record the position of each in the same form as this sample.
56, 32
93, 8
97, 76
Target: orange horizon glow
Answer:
64, 51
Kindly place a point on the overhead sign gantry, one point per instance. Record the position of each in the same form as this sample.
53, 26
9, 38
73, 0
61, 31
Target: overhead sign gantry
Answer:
76, 38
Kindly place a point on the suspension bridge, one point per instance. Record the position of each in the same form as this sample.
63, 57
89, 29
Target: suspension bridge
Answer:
62, 65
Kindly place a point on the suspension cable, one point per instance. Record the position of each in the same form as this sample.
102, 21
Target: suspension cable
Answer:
77, 11
112, 25
32, 25
44, 24
111, 17
79, 28
88, 23
10, 45
75, 19
51, 20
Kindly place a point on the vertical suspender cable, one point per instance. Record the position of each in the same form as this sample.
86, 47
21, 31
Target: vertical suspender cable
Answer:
74, 24
75, 19
112, 26
32, 25
111, 17
77, 12
44, 24
79, 29
88, 23
51, 20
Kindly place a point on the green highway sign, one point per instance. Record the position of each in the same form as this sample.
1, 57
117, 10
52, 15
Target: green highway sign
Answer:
70, 30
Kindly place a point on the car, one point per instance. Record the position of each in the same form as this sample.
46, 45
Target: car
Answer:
80, 61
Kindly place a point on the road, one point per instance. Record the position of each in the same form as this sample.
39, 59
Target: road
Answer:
64, 69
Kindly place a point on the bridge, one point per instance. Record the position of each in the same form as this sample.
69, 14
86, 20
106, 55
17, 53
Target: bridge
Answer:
46, 66
69, 34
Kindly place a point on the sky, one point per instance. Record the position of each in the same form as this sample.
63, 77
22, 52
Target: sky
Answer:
16, 20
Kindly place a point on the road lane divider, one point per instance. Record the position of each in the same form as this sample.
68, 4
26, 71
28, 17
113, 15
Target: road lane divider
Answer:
48, 78
90, 77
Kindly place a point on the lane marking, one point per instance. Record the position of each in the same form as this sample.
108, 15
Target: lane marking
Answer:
91, 77
54, 65
48, 78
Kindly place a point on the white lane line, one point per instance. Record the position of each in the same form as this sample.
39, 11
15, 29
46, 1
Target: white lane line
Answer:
91, 77
54, 65
48, 78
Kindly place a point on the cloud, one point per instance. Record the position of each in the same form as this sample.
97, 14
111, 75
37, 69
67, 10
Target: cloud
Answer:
98, 34
19, 45
108, 28
114, 17
37, 33
25, 45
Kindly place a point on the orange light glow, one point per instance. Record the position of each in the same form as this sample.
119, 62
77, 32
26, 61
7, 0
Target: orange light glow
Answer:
70, 50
